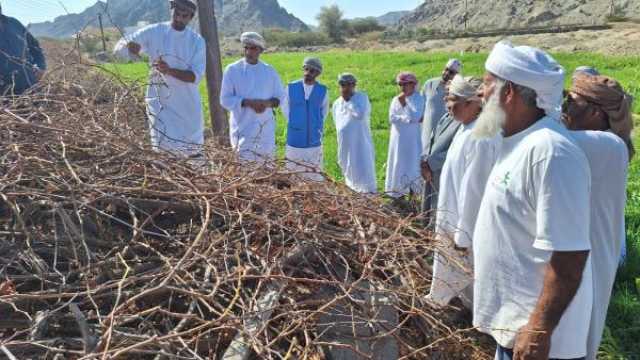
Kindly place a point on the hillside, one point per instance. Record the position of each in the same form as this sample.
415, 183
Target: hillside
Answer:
392, 18
234, 16
499, 14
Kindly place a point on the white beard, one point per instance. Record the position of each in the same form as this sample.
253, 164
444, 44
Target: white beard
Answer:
492, 118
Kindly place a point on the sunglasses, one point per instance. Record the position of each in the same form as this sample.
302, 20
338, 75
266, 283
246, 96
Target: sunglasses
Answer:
570, 99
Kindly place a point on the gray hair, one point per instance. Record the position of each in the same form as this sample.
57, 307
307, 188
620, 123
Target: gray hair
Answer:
529, 96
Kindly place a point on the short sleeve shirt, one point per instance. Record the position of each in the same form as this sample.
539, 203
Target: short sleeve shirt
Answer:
537, 201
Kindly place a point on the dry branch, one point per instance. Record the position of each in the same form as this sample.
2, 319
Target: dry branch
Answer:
111, 250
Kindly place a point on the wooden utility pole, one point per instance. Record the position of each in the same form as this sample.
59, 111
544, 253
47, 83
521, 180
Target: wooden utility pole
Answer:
104, 43
466, 13
612, 8
209, 31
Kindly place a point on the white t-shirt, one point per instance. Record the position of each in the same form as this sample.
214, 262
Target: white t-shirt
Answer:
609, 162
536, 202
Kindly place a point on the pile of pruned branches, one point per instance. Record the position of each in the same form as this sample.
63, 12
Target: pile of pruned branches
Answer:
111, 250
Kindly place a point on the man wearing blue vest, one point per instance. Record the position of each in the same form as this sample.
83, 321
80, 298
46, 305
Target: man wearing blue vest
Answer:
305, 107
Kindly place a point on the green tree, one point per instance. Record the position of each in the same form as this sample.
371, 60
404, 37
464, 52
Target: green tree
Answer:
364, 25
331, 22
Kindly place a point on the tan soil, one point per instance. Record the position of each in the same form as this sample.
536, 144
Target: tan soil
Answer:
622, 39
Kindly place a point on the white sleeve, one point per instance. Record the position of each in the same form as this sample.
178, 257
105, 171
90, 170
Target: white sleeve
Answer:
228, 98
284, 104
358, 108
199, 61
355, 108
278, 89
472, 187
562, 192
141, 37
325, 105
415, 108
121, 51
398, 113
367, 108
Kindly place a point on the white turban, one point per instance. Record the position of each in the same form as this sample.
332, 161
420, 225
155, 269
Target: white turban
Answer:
253, 39
464, 87
454, 65
532, 68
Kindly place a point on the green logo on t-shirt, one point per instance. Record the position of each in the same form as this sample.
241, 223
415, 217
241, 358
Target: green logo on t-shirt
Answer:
506, 179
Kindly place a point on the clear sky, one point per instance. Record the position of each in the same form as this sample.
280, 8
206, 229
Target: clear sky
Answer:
29, 11
307, 10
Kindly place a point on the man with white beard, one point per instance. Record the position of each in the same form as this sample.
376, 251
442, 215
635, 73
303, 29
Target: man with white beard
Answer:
533, 287
462, 183
600, 106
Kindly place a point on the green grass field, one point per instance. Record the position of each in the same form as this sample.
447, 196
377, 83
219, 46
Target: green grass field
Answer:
376, 73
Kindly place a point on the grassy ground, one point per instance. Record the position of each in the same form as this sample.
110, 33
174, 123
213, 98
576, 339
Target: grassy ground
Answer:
376, 72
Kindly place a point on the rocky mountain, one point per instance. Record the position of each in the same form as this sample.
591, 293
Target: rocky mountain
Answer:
234, 17
392, 18
500, 14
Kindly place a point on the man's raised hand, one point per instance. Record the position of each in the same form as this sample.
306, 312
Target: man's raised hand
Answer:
134, 48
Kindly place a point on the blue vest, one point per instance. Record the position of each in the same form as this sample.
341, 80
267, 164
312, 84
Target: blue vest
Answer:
306, 124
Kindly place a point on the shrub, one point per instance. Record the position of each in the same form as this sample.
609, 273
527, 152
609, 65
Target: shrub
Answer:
376, 36
616, 18
279, 37
364, 25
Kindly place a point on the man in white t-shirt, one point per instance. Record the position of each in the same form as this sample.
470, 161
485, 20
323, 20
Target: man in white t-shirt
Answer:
599, 105
533, 282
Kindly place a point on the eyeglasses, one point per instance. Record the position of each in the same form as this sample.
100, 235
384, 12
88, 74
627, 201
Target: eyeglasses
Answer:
252, 47
571, 99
